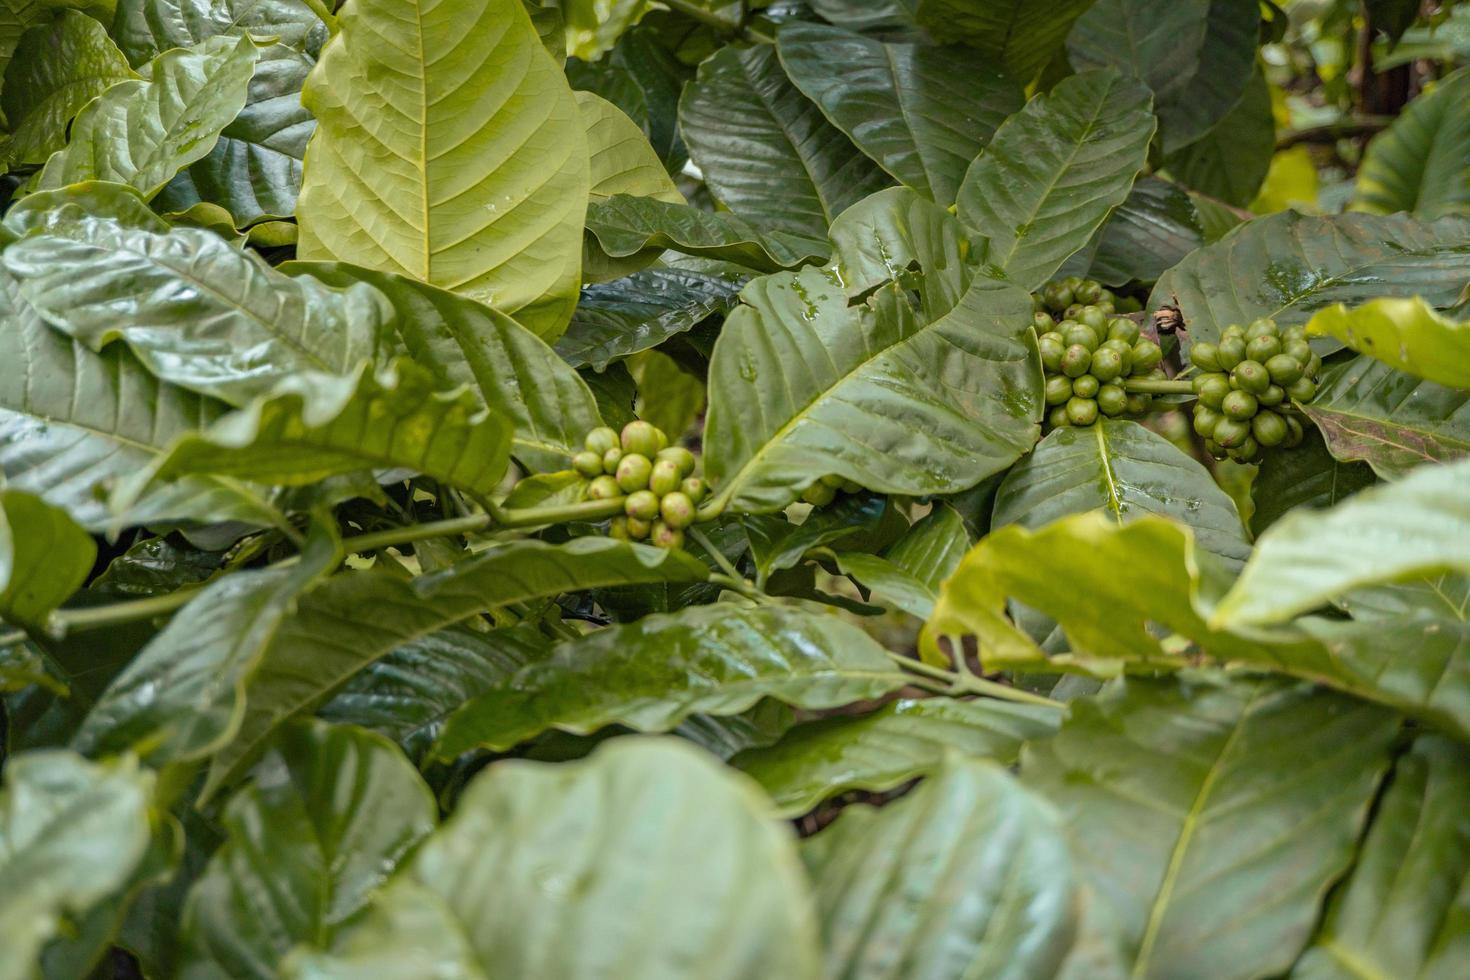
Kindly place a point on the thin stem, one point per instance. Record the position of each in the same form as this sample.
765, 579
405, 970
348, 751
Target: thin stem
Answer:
968, 683
417, 532
1140, 386
587, 510
740, 587
699, 538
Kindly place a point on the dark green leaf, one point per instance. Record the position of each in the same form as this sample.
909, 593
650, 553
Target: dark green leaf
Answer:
154, 566
616, 319
1149, 233
1307, 476
1230, 161
1019, 36
147, 28
624, 226
1418, 163
44, 557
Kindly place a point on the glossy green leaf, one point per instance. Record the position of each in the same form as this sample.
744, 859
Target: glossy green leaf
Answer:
1418, 164
1391, 420
777, 543
44, 557
1230, 162
625, 226
16, 16
804, 383
969, 875
1124, 470
1149, 233
864, 14
448, 149
766, 152
1401, 913
147, 28
462, 342
652, 825
888, 747
331, 813
59, 68
354, 619
1053, 173
886, 584
617, 319
899, 236
1411, 528
921, 112
71, 833
652, 674
183, 696
1229, 808
196, 311
933, 547
593, 26
1288, 266
620, 159
1019, 36
154, 566
142, 132
1407, 334
1307, 476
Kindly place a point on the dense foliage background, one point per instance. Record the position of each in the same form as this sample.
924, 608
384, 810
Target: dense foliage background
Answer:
499, 489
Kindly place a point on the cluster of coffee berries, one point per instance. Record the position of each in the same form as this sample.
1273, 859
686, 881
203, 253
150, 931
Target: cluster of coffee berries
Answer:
824, 491
1064, 298
1246, 386
655, 481
1088, 359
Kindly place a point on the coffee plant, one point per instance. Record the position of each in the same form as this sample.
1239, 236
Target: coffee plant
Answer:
698, 489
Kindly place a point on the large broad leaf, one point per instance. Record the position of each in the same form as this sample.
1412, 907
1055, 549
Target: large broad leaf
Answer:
16, 16
1401, 914
641, 311
1419, 163
922, 112
1053, 173
766, 152
72, 423
197, 311
147, 28
886, 748
1228, 808
805, 382
449, 149
71, 833
1196, 56
620, 159
1406, 334
1230, 162
1126, 471
1289, 265
44, 557
655, 826
331, 813
1308, 476
1019, 36
624, 226
1391, 420
463, 342
968, 876
652, 674
1150, 232
183, 695
143, 132
60, 67
1412, 528
354, 619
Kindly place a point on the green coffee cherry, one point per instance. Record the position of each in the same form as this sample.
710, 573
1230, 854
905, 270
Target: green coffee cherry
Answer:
611, 459
1230, 433
617, 528
1056, 296
1229, 352
1112, 400
1284, 369
1294, 433
666, 537
1107, 365
1058, 389
1076, 361
600, 440
1314, 365
604, 488
1205, 420
851, 486
1262, 349
833, 480
634, 471
1088, 291
1086, 386
677, 510
1072, 312
1269, 429
1302, 390
1250, 376
1212, 389
1107, 306
693, 488
640, 438
1082, 411
1093, 317
638, 529
1263, 327
1205, 356
819, 494
1147, 355
665, 477
1234, 330
1057, 417
1081, 334
1042, 320
1124, 329
587, 463
1298, 350
1246, 451
641, 504
680, 457
1239, 405
1138, 403
1051, 355
1273, 395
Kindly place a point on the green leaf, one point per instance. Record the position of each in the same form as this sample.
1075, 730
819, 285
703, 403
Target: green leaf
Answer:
594, 27
921, 112
1400, 914
776, 543
652, 674
61, 67
44, 557
1390, 533
464, 343
354, 619
196, 311
1230, 162
154, 566
331, 813
1150, 232
1195, 55
1053, 173
617, 319
449, 149
1418, 164
72, 423
620, 159
1407, 334
933, 547
1307, 476
16, 17
1288, 266
969, 875
72, 832
1126, 471
1019, 36
1392, 420
142, 132
766, 152
861, 15
147, 28
648, 824
805, 383
624, 226
888, 747
885, 584
1229, 808
183, 696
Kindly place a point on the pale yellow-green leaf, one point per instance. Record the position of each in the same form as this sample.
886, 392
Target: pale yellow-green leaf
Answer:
1291, 182
1407, 334
620, 158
